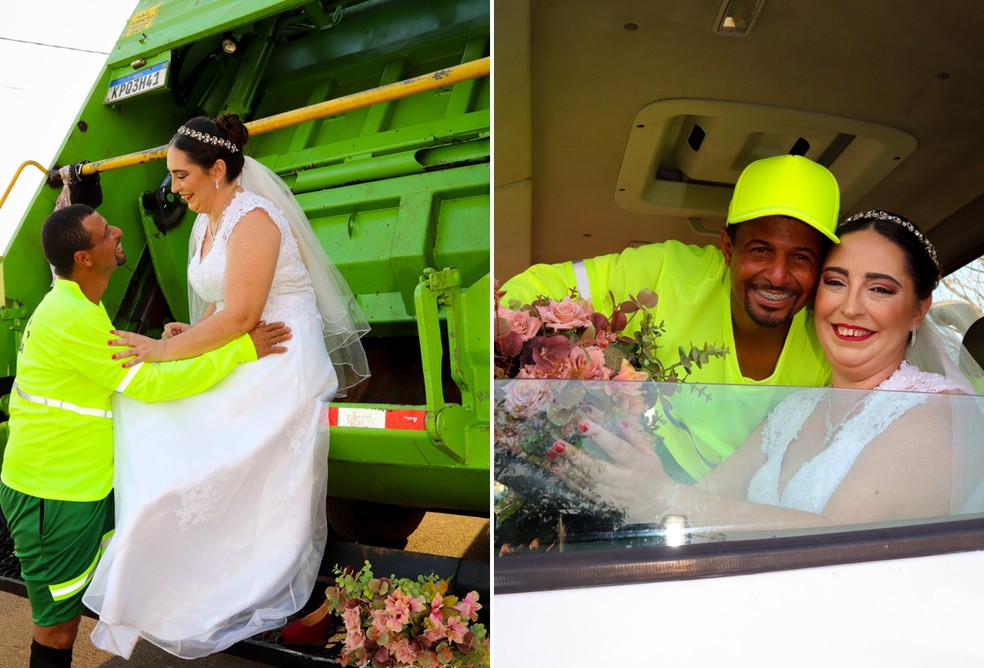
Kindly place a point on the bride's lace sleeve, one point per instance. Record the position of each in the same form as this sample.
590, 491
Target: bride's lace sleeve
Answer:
910, 378
785, 421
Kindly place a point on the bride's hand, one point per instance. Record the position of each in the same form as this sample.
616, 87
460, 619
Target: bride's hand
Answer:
139, 348
633, 480
172, 329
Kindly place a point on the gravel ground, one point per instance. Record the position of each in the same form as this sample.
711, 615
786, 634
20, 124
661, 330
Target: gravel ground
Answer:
448, 535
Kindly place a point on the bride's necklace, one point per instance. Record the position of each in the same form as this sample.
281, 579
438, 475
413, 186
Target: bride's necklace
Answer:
213, 228
828, 424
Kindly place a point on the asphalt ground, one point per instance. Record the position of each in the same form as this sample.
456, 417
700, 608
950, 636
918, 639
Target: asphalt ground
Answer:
441, 534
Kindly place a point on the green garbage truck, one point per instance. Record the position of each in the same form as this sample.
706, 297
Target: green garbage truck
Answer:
377, 113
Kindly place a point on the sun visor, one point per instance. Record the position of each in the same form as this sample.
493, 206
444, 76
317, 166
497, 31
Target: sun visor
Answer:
684, 156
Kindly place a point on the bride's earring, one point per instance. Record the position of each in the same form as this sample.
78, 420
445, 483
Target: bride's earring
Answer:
912, 340
217, 187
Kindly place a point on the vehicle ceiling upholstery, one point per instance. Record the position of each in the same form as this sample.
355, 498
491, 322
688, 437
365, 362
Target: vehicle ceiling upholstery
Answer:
571, 77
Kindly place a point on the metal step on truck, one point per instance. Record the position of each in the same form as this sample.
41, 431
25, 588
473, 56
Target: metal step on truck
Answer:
377, 114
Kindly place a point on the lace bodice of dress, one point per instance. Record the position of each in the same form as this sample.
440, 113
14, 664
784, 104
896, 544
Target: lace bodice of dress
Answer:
291, 293
812, 486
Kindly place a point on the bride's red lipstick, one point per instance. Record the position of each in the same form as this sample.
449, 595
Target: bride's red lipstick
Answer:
857, 333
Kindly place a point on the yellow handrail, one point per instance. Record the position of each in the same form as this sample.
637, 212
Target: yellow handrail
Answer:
393, 91
17, 175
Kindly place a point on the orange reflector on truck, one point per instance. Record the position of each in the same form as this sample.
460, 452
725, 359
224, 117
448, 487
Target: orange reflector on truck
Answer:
374, 418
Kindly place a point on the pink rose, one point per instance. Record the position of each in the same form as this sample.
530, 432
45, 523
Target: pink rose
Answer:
354, 635
380, 620
520, 322
354, 640
566, 314
627, 399
352, 620
524, 398
404, 651
586, 364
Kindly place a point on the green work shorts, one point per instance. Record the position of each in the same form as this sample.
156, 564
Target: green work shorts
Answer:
58, 544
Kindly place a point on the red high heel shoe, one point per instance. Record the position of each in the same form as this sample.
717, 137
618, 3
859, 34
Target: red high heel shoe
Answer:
309, 630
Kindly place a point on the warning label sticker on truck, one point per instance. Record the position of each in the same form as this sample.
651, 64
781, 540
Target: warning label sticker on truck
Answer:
141, 21
376, 418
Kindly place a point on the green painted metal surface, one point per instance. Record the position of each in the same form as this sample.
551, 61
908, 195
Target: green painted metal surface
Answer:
397, 192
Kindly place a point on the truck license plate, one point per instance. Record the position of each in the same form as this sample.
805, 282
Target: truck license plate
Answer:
142, 81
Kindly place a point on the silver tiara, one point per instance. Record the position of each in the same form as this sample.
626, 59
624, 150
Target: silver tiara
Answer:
206, 138
899, 220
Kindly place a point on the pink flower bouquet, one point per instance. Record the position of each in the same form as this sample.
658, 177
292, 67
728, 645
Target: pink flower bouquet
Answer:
400, 622
557, 363
568, 339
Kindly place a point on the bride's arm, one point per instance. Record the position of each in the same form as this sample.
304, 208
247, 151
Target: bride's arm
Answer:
209, 310
905, 472
252, 260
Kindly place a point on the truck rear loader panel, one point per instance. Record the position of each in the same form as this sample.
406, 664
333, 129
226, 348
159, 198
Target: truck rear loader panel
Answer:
397, 192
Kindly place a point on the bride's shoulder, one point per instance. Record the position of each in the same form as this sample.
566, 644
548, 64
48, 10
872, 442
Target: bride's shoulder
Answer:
248, 201
910, 378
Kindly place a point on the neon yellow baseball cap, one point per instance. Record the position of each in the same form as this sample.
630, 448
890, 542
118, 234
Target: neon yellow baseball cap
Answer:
787, 185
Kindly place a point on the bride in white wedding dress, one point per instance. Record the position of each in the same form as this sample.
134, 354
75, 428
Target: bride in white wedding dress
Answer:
832, 456
220, 520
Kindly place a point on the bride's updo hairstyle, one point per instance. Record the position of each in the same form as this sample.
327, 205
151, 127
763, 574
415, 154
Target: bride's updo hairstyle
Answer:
205, 141
920, 256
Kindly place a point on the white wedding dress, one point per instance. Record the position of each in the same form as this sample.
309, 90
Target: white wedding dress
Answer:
220, 497
814, 483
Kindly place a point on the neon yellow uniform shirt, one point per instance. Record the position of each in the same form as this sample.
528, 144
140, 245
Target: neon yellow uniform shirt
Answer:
61, 429
694, 288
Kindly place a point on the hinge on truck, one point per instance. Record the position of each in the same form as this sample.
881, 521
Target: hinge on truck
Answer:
446, 423
13, 313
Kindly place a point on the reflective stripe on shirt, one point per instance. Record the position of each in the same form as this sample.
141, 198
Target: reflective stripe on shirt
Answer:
64, 405
128, 377
581, 278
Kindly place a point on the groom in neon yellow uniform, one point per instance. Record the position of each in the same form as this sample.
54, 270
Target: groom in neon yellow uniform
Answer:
749, 296
57, 476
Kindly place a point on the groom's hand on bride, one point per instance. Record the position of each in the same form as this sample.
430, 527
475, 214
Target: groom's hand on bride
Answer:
266, 338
